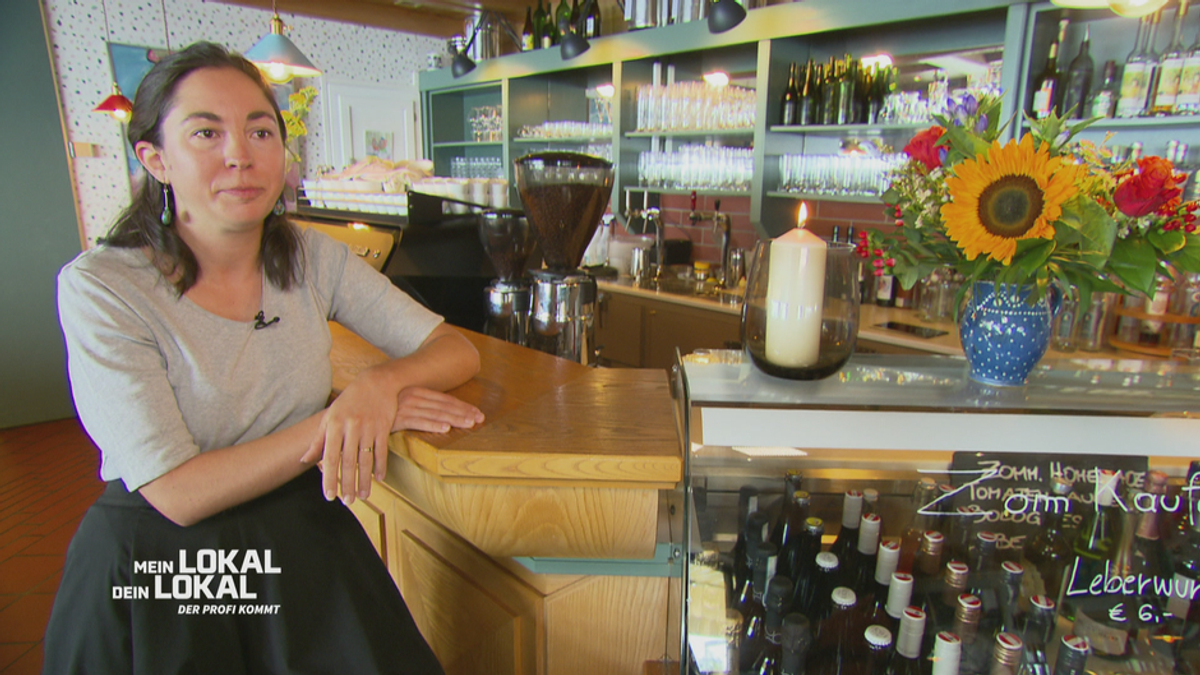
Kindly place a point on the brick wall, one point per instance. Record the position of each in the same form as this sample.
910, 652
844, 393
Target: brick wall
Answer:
823, 216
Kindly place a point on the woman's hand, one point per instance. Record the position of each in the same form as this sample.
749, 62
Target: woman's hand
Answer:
351, 441
422, 409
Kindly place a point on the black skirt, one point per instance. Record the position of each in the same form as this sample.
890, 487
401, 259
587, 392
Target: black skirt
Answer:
286, 583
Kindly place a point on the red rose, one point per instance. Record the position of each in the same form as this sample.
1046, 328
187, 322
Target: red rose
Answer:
1148, 189
921, 147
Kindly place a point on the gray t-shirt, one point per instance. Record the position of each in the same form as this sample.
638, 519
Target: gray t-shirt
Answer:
157, 379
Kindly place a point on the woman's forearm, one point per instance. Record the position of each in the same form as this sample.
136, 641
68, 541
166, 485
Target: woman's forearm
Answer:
219, 479
444, 361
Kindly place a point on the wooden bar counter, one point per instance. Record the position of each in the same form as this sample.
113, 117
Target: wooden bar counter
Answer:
571, 463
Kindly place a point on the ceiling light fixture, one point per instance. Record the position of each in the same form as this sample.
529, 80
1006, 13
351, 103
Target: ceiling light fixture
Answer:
724, 15
278, 57
117, 104
717, 78
1136, 8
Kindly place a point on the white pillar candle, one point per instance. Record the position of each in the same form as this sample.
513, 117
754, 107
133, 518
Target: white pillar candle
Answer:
795, 297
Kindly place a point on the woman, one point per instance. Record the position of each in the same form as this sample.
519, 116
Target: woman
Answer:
210, 416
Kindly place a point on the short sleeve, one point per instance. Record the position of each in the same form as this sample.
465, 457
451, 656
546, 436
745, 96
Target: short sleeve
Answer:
119, 382
365, 301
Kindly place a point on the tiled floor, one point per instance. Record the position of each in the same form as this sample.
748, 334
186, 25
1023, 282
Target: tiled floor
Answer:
48, 478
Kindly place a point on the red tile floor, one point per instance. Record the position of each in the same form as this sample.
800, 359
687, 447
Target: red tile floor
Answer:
48, 478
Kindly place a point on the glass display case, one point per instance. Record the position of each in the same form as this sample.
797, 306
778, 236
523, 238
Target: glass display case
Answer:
1050, 528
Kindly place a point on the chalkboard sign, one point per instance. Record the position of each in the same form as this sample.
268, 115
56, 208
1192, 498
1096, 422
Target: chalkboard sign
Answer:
1012, 490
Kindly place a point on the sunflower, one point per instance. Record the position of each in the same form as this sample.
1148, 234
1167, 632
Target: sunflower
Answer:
1009, 193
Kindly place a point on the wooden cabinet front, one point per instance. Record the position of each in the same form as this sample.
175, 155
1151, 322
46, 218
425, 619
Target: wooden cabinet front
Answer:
642, 332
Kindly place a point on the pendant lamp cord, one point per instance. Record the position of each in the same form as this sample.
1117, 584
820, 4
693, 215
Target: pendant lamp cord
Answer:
104, 11
166, 32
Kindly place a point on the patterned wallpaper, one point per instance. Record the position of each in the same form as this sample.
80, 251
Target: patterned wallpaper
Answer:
343, 51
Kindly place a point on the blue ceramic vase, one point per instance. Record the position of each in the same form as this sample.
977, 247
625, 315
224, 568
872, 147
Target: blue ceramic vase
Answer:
1003, 336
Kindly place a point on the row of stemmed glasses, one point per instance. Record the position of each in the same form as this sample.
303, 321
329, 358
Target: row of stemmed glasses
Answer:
695, 167
487, 124
837, 175
566, 129
476, 167
694, 106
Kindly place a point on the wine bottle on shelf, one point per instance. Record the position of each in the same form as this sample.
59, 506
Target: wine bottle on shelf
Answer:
1048, 553
975, 648
928, 567
875, 602
1046, 94
1170, 68
1073, 654
527, 32
1038, 633
797, 638
1135, 75
834, 641
829, 92
1006, 656
1104, 100
877, 647
1105, 547
593, 23
900, 593
870, 501
802, 563
924, 494
768, 651
541, 27
1012, 604
574, 16
847, 92
947, 651
907, 659
562, 20
860, 572
817, 601
818, 93
793, 511
1188, 100
806, 104
847, 537
885, 289
790, 103
954, 585
1077, 84
982, 580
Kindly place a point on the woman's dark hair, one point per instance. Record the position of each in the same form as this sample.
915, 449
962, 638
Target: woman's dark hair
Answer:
140, 224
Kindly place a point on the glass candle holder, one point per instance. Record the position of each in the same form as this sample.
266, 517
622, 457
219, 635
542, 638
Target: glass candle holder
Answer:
776, 322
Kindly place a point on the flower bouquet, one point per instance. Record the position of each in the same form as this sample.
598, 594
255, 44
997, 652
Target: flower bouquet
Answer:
1031, 213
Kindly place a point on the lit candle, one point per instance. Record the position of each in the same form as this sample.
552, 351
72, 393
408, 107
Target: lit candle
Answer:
795, 296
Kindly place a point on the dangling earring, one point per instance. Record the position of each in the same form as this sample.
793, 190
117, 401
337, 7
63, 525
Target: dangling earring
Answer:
280, 207
167, 215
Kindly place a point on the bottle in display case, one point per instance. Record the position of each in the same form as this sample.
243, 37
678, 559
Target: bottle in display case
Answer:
1047, 93
1188, 99
1038, 633
1072, 655
1135, 76
801, 561
797, 638
1077, 83
1170, 68
877, 646
847, 537
860, 567
1104, 100
875, 602
907, 659
1006, 657
817, 600
835, 640
1048, 553
790, 103
1104, 546
768, 651
793, 511
947, 651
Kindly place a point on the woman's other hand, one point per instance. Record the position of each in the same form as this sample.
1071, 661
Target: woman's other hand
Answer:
422, 409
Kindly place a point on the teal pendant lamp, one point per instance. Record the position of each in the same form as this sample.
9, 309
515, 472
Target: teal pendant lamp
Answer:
278, 58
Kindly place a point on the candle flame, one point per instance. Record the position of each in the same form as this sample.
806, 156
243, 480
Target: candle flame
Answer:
802, 218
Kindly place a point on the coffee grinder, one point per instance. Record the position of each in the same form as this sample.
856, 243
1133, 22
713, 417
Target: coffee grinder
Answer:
564, 195
508, 241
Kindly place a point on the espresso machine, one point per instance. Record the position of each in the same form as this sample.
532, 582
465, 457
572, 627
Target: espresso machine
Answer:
564, 195
508, 241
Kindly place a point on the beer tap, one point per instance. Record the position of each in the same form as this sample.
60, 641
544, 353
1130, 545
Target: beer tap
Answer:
721, 226
649, 215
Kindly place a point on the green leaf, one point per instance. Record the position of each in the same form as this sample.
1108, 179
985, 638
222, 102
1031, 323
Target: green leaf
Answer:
1167, 242
1031, 255
1133, 262
1188, 257
1096, 230
891, 196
